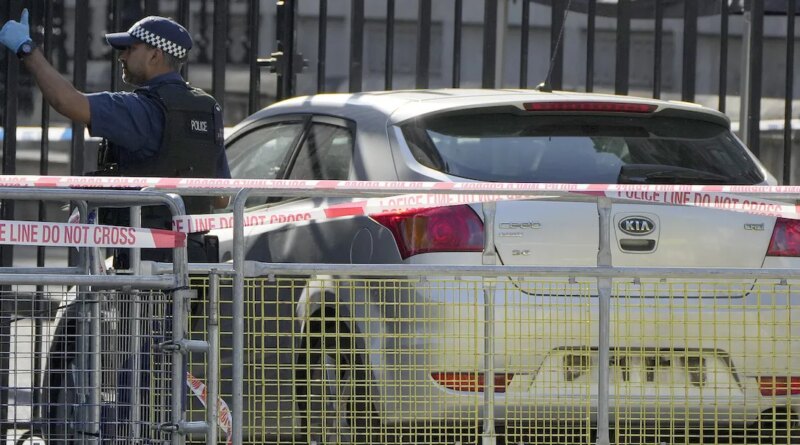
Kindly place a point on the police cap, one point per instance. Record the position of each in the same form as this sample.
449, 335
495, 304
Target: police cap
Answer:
160, 32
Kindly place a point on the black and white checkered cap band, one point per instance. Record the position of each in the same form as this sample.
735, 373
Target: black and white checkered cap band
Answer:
159, 42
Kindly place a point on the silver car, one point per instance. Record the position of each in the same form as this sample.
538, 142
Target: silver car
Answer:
403, 359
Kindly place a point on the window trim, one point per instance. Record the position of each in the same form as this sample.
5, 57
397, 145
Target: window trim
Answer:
306, 119
303, 119
321, 119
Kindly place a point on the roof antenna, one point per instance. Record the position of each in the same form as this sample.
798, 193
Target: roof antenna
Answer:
546, 86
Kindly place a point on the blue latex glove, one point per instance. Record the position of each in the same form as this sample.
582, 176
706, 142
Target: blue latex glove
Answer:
14, 34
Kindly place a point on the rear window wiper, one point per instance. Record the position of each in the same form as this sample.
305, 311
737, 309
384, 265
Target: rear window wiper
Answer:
667, 174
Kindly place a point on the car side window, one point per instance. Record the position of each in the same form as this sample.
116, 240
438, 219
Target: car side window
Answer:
325, 153
261, 153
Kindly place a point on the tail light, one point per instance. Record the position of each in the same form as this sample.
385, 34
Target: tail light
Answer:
471, 381
441, 229
779, 386
785, 238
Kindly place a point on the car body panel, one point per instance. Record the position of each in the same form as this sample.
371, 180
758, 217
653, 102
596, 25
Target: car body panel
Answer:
534, 330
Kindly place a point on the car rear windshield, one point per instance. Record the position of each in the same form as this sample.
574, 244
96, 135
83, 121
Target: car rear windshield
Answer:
510, 147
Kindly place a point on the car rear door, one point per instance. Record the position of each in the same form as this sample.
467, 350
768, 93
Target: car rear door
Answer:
554, 234
539, 233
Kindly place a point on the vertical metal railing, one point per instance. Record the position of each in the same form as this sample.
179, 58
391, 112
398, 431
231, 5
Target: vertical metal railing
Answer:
151, 7
423, 44
591, 22
220, 47
788, 94
658, 48
751, 96
253, 48
95, 369
558, 11
115, 25
525, 27
723, 57
136, 310
183, 18
11, 72
688, 79
79, 75
213, 356
388, 57
44, 163
604, 321
457, 24
622, 72
489, 258
322, 44
489, 45
44, 143
356, 45
180, 308
238, 317
10, 102
283, 61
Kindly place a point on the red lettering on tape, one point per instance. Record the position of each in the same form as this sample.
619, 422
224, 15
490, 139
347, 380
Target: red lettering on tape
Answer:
290, 217
349, 209
46, 181
167, 238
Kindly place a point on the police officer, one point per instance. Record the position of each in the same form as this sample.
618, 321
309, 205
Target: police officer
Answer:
164, 128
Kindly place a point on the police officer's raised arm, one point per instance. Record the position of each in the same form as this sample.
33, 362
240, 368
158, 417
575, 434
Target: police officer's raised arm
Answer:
57, 91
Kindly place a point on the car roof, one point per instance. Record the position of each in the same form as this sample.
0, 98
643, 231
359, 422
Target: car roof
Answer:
399, 105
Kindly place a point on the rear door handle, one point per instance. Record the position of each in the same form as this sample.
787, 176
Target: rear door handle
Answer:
637, 244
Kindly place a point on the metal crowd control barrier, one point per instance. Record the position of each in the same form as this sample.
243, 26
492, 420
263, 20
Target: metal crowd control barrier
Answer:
370, 353
415, 372
367, 353
105, 362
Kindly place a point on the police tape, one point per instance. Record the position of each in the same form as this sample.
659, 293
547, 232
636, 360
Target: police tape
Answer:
300, 184
360, 207
720, 197
224, 418
421, 201
713, 200
33, 233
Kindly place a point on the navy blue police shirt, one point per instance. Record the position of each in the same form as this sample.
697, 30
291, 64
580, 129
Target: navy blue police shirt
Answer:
135, 123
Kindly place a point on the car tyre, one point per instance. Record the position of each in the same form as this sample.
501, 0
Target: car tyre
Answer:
777, 426
32, 438
333, 387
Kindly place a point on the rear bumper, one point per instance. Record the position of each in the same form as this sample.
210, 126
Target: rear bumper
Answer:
578, 407
714, 350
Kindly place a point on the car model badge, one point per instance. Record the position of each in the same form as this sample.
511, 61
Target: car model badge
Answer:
526, 225
637, 225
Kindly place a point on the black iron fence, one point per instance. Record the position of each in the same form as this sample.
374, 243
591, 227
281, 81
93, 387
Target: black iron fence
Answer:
733, 55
